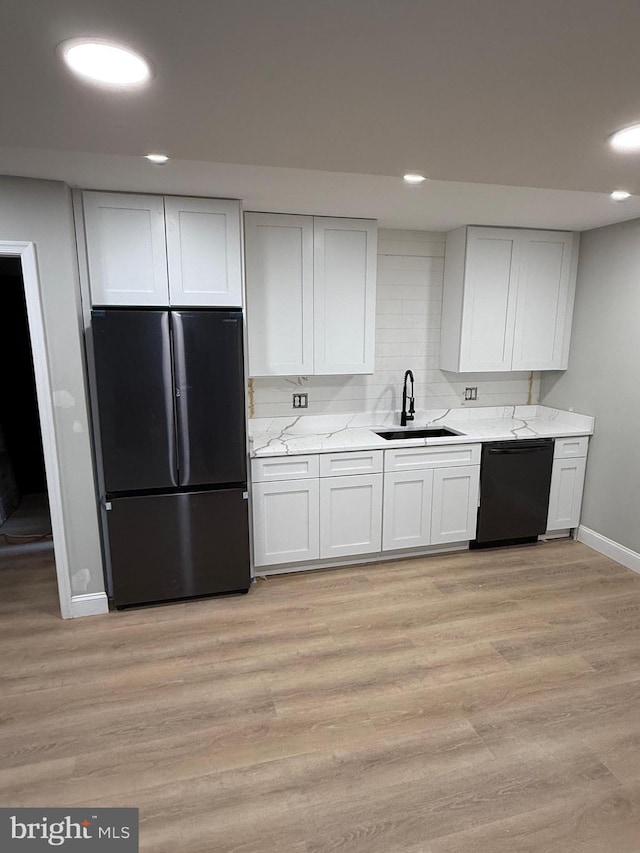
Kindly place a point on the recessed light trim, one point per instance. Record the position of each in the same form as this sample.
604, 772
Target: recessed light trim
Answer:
627, 139
620, 195
413, 178
106, 63
159, 159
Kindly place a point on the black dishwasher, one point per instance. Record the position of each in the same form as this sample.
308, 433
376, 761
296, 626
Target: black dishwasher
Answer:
515, 477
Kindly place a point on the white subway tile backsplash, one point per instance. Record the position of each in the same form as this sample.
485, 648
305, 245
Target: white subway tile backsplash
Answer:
406, 262
402, 291
419, 278
423, 248
392, 321
408, 308
388, 306
416, 335
411, 236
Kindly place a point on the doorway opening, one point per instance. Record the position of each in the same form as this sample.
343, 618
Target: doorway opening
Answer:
12, 558
24, 506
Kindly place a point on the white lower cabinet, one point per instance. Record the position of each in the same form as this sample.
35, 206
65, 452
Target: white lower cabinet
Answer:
565, 496
329, 506
455, 504
407, 509
435, 501
285, 521
350, 515
430, 506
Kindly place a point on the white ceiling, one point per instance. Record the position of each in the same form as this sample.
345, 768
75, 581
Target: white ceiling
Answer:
328, 102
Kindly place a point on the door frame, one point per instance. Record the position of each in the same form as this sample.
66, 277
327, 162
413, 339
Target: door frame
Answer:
26, 252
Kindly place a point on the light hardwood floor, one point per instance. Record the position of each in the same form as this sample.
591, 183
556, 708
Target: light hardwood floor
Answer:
485, 702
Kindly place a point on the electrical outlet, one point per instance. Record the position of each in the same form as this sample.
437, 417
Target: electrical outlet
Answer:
300, 401
471, 393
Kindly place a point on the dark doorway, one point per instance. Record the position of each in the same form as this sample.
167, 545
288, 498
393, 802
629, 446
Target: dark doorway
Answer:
24, 514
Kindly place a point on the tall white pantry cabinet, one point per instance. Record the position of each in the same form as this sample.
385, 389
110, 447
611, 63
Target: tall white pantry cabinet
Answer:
507, 299
311, 292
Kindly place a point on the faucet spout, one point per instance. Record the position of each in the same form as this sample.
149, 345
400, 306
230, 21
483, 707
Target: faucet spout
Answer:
407, 413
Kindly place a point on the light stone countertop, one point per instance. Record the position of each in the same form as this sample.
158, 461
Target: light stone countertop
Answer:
332, 433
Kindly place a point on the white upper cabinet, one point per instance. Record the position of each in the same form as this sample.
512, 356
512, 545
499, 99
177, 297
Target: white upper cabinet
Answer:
344, 295
490, 286
203, 251
546, 284
126, 249
279, 270
310, 294
149, 250
507, 300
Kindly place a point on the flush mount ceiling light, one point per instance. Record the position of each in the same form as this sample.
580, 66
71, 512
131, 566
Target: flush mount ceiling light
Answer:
620, 195
156, 158
106, 63
413, 178
627, 139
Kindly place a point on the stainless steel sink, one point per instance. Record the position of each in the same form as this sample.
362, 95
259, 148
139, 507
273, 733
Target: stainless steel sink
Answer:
426, 432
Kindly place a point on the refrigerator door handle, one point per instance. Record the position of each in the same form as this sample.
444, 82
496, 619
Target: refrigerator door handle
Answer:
180, 382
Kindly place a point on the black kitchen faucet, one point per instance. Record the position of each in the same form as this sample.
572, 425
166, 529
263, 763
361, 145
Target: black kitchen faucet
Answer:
407, 415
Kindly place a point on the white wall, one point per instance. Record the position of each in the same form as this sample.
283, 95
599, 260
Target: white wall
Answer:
603, 377
409, 298
40, 212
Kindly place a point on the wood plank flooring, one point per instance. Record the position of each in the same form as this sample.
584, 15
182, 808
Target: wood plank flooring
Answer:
483, 701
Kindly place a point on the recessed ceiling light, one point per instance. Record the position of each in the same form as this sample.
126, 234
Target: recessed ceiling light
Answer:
106, 63
413, 178
157, 158
620, 195
627, 139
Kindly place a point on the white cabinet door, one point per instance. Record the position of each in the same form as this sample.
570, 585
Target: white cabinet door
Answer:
285, 522
545, 300
344, 295
279, 277
490, 281
203, 251
565, 496
126, 249
350, 515
508, 299
455, 504
407, 509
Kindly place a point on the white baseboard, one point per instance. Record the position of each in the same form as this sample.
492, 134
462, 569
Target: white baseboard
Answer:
90, 604
619, 553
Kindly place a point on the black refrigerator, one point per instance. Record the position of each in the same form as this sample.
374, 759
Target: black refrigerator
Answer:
170, 399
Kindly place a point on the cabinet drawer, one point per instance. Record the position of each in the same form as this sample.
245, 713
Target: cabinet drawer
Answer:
567, 448
284, 468
353, 462
414, 458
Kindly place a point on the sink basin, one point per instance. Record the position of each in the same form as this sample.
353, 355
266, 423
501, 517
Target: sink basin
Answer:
427, 432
